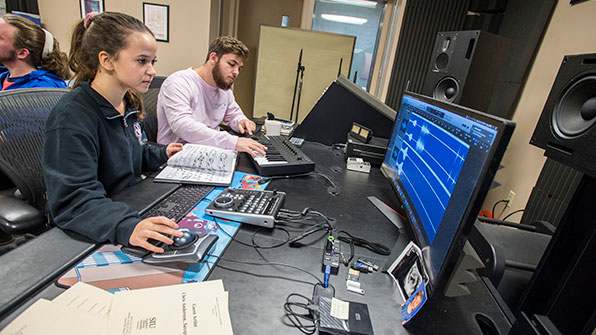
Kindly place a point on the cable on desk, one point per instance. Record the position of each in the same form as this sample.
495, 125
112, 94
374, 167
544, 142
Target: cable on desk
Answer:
269, 264
296, 317
254, 245
322, 222
270, 246
286, 216
309, 308
310, 311
334, 187
357, 241
307, 214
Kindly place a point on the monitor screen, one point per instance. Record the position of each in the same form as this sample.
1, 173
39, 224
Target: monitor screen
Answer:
441, 160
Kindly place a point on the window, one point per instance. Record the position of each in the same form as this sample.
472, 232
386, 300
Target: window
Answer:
360, 18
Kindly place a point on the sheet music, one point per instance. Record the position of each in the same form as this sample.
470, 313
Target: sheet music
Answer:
204, 157
185, 174
200, 164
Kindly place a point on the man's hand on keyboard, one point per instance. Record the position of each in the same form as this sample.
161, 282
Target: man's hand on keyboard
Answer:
246, 126
250, 146
154, 228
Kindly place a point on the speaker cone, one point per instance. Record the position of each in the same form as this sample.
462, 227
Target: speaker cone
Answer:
441, 61
446, 89
575, 112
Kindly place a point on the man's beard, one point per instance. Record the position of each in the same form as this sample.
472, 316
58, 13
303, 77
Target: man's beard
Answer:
218, 78
8, 56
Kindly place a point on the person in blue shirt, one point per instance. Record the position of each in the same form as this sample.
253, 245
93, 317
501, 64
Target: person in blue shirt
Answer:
30, 55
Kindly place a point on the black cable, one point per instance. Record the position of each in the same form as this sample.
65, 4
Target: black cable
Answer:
294, 242
270, 246
254, 245
263, 275
307, 174
357, 241
303, 217
288, 217
307, 314
495, 206
268, 264
514, 212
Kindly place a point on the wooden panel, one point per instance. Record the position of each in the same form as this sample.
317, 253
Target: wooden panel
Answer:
277, 64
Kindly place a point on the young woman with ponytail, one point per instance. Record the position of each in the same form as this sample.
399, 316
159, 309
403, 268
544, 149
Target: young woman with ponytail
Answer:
93, 142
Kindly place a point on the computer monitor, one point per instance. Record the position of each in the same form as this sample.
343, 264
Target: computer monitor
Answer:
441, 160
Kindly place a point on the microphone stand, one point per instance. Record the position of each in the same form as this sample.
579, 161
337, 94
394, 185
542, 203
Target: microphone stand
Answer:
298, 86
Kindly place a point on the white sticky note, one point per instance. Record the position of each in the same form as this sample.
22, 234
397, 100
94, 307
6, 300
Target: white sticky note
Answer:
340, 309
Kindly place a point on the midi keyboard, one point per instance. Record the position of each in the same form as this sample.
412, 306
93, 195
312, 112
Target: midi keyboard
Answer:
282, 157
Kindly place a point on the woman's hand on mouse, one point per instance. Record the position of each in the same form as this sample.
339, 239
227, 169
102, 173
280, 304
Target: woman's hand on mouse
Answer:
155, 228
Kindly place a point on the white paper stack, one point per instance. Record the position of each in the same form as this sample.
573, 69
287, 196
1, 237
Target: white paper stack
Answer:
195, 308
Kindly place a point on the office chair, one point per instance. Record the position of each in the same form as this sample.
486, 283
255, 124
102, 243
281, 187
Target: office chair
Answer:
150, 105
512, 251
23, 114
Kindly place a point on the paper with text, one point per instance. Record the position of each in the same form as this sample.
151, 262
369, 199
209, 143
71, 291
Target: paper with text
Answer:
194, 308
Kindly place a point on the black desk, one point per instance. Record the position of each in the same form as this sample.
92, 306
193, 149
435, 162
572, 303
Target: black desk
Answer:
257, 293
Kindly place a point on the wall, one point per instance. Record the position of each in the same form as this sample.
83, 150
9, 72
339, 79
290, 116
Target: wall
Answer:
257, 13
569, 32
188, 30
279, 50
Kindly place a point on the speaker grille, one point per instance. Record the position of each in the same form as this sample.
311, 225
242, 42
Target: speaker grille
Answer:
575, 111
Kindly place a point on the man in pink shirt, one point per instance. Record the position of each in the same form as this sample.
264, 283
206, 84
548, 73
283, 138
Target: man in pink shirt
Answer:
193, 102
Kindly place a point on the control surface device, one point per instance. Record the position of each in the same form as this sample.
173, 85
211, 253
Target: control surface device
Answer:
247, 206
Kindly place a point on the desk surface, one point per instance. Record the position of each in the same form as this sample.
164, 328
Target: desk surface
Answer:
257, 293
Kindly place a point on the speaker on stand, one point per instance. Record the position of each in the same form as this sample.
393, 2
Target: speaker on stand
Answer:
464, 67
562, 288
565, 129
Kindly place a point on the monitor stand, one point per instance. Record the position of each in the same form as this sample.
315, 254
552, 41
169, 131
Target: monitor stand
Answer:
389, 212
465, 272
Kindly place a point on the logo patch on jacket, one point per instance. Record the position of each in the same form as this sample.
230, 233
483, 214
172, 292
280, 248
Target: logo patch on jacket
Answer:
138, 132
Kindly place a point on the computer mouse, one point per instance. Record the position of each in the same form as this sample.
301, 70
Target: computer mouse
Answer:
184, 240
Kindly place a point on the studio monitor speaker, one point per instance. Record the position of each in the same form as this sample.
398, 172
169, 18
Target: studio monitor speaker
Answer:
565, 129
464, 67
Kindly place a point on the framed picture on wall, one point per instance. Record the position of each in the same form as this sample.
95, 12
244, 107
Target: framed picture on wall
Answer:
88, 6
156, 17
